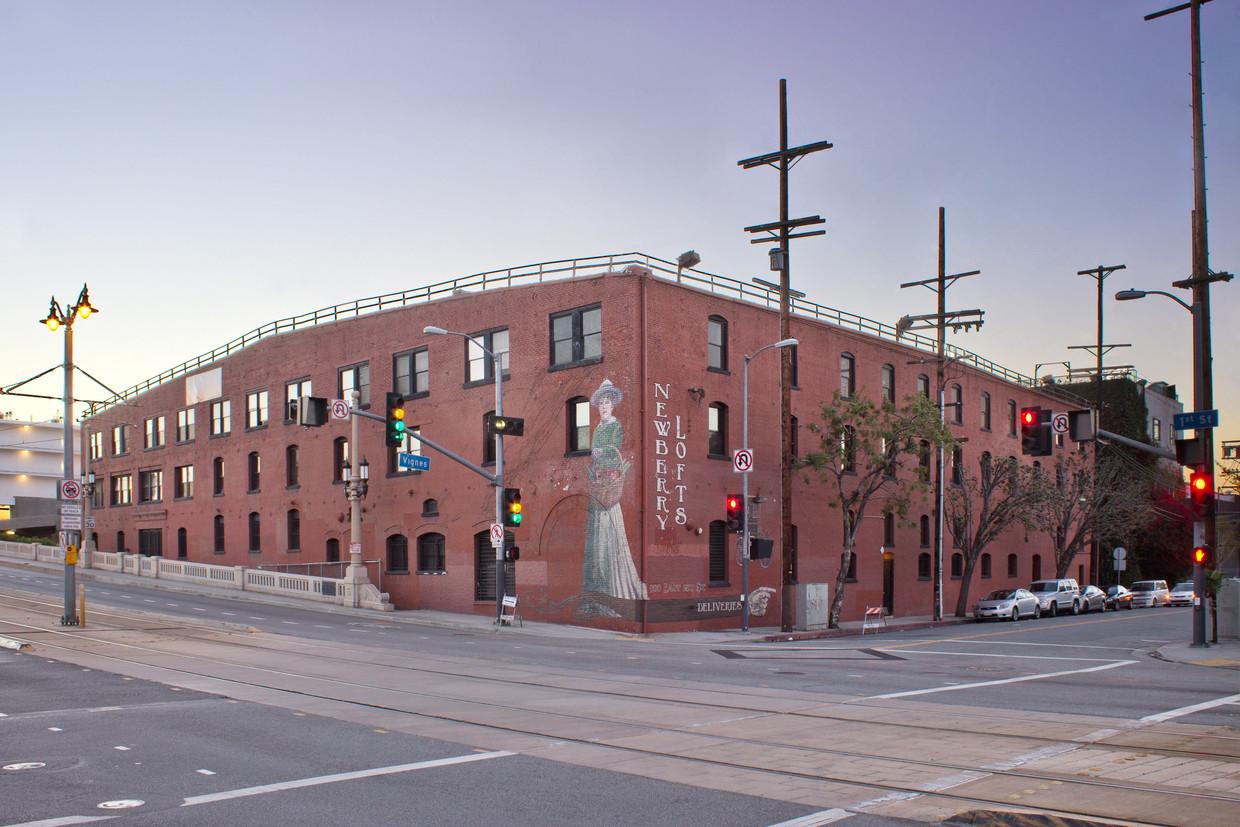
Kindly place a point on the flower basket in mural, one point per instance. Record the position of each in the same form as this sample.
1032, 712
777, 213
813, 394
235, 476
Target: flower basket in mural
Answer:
606, 488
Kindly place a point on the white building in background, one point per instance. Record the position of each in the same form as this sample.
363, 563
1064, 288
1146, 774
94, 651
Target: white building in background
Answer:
31, 466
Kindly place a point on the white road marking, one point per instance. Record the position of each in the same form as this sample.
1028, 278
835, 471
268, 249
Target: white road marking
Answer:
1188, 710
815, 819
984, 655
63, 822
344, 776
1000, 682
204, 772
1037, 754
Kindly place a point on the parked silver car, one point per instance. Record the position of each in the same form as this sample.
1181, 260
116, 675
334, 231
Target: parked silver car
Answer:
1010, 604
1149, 593
1093, 599
1181, 595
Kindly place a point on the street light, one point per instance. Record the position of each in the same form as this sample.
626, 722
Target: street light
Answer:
745, 483
356, 485
55, 319
497, 369
689, 259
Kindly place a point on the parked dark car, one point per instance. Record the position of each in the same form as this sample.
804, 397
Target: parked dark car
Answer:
1118, 598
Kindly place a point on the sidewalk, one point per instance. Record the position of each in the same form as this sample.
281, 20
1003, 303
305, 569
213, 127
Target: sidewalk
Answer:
1225, 654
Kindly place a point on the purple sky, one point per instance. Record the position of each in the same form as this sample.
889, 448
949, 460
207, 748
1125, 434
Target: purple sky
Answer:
209, 167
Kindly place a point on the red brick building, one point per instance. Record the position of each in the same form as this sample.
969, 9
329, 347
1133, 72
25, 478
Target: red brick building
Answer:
629, 379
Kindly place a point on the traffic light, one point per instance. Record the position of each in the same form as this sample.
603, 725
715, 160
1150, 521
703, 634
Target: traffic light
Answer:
395, 419
735, 521
512, 507
1030, 428
1200, 492
1203, 557
512, 553
504, 425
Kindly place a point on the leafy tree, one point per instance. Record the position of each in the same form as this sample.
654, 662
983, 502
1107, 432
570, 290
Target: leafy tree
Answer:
863, 449
1002, 494
1087, 499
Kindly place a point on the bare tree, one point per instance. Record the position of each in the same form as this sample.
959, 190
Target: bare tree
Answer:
1004, 493
863, 450
1086, 500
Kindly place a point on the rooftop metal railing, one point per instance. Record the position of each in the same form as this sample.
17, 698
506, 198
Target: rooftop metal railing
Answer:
567, 268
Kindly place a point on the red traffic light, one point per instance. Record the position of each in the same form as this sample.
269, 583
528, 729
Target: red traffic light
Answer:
734, 503
1029, 416
1200, 555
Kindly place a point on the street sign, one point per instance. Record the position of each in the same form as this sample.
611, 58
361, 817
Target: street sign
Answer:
340, 409
70, 508
1059, 423
70, 490
1121, 565
64, 539
742, 460
1195, 419
355, 548
90, 522
1120, 553
414, 462
71, 522
497, 534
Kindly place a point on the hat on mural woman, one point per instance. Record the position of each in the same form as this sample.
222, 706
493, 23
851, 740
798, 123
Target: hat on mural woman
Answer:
607, 389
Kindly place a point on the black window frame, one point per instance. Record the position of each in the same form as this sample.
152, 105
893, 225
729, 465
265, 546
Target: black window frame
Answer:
407, 379
487, 338
848, 375
577, 433
359, 370
578, 340
717, 352
255, 527
294, 390
717, 437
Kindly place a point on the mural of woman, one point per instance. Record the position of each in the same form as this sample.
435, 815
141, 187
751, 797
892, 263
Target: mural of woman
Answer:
608, 564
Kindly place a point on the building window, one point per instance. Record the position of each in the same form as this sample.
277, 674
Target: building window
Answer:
255, 467
717, 343
923, 385
923, 566
1011, 417
484, 567
1012, 565
851, 576
985, 412
889, 383
150, 486
956, 404
985, 561
957, 566
1156, 430
577, 336
356, 378
292, 466
478, 363
795, 436
120, 541
792, 365
577, 417
332, 552
431, 558
717, 566
151, 542
96, 446
183, 485
221, 417
219, 534
924, 531
411, 373
217, 476
153, 433
256, 539
340, 458
294, 529
293, 392
96, 497
408, 445
256, 409
185, 425
957, 466
120, 440
1037, 567
717, 430
182, 544
923, 461
889, 530
848, 375
430, 508
122, 488
848, 449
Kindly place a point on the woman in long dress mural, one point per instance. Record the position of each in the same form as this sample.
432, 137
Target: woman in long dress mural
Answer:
608, 564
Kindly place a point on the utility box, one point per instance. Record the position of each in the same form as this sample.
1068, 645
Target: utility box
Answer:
1229, 610
813, 607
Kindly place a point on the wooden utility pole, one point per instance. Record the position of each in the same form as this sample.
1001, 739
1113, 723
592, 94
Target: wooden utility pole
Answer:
781, 231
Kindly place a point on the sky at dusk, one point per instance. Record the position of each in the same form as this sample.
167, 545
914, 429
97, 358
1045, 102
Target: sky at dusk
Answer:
208, 167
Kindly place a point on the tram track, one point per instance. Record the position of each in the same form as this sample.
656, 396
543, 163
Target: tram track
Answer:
717, 733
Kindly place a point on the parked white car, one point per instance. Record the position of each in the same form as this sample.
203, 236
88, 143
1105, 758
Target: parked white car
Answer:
1007, 604
1147, 593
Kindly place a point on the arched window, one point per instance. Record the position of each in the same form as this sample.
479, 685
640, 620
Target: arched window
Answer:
848, 375
718, 550
120, 541
848, 449
1037, 567
717, 430
923, 566
255, 467
923, 461
925, 530
217, 475
577, 420
397, 554
957, 466
182, 544
484, 568
1012, 565
851, 576
219, 533
957, 565
256, 537
332, 553
340, 458
292, 471
985, 561
430, 508
431, 557
985, 425
294, 529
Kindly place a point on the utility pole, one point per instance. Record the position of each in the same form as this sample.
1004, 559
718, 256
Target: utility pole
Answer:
781, 231
1100, 275
939, 321
1199, 283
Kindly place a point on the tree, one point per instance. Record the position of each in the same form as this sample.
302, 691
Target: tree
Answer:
862, 452
1087, 499
1004, 493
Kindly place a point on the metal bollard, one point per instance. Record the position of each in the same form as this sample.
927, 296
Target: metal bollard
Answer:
81, 607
